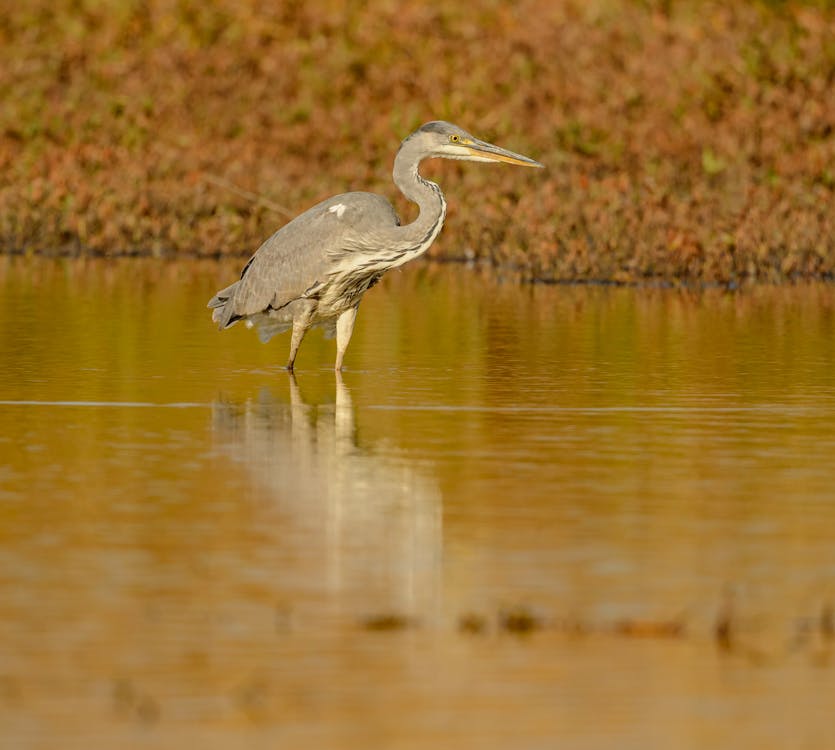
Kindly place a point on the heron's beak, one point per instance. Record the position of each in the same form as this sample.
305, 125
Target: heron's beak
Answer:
483, 151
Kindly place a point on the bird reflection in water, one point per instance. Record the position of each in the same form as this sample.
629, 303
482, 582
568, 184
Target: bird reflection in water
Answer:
346, 522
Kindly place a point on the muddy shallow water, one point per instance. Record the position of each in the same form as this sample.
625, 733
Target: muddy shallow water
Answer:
523, 517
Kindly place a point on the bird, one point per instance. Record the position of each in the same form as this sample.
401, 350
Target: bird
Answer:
316, 268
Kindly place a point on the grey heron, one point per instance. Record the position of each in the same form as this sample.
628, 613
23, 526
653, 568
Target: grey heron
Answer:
315, 269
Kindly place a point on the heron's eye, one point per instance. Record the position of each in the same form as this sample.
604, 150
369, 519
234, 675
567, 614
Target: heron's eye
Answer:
454, 138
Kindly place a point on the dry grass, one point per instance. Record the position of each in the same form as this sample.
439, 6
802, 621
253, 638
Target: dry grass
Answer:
685, 141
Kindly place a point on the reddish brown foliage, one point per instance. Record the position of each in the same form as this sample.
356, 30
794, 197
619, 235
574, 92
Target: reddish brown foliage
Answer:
688, 141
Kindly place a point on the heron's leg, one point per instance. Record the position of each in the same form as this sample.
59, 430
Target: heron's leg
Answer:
344, 329
300, 326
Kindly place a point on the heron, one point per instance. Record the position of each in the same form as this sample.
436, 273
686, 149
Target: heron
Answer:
315, 269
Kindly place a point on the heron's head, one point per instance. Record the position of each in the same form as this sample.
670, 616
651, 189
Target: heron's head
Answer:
448, 141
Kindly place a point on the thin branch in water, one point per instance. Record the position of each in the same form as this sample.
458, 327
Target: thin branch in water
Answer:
250, 196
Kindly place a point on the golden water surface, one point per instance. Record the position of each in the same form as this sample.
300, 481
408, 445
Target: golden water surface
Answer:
524, 517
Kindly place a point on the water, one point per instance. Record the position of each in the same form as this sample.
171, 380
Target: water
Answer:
524, 517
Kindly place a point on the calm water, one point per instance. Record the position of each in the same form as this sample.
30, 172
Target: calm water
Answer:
526, 517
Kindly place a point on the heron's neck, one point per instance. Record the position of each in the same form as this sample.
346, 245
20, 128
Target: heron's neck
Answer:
422, 231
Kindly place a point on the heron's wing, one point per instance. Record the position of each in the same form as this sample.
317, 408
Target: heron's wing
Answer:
299, 257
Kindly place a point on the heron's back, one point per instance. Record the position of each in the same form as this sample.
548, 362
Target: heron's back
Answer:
303, 255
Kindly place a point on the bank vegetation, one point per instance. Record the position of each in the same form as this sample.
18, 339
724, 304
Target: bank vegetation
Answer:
685, 142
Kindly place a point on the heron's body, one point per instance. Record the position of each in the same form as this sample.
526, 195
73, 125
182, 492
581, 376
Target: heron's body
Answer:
315, 269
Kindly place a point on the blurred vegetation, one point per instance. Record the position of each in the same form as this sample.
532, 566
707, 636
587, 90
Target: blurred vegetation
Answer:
690, 141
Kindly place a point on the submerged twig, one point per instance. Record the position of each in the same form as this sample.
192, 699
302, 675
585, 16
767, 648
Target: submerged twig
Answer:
827, 621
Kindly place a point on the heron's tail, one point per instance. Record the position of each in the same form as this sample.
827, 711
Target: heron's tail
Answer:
224, 314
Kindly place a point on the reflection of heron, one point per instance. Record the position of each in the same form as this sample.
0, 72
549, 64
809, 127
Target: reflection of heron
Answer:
366, 523
314, 270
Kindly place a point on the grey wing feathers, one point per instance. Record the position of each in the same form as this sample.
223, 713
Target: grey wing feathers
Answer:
299, 256
217, 303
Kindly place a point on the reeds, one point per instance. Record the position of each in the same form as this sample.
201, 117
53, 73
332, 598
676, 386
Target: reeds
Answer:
685, 142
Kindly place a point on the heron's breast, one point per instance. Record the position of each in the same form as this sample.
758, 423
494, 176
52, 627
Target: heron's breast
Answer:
343, 291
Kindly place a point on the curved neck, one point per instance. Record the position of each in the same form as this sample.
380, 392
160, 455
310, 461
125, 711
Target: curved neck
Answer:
423, 230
